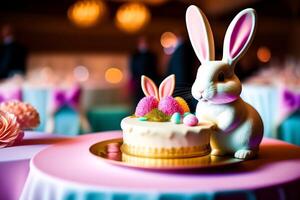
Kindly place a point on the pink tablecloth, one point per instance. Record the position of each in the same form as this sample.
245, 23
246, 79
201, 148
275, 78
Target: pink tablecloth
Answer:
68, 171
14, 162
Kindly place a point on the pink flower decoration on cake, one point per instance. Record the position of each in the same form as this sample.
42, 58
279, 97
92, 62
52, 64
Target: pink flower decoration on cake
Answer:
10, 130
145, 105
27, 116
169, 106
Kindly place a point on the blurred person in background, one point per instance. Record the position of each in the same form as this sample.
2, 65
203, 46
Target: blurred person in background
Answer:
142, 62
184, 64
12, 54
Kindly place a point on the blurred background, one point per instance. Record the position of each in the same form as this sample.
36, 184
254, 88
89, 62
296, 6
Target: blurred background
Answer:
102, 47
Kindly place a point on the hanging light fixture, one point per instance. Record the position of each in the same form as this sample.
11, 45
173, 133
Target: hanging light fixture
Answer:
86, 13
132, 17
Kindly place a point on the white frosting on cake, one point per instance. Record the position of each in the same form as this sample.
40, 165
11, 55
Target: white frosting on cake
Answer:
164, 134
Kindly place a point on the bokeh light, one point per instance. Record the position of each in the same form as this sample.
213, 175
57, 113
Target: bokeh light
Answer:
113, 75
168, 41
132, 17
86, 13
264, 54
81, 73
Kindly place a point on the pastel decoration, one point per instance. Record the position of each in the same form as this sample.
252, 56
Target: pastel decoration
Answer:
11, 94
62, 98
176, 118
145, 105
159, 98
27, 116
149, 88
167, 87
142, 119
190, 120
10, 131
218, 89
289, 103
183, 104
239, 35
200, 34
71, 98
169, 106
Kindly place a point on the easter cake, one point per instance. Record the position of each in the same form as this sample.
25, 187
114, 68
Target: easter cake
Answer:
163, 127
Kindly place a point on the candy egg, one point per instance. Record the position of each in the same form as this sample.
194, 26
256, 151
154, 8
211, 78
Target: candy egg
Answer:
175, 118
190, 120
142, 119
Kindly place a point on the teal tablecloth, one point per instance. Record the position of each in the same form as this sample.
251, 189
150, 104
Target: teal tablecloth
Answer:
107, 117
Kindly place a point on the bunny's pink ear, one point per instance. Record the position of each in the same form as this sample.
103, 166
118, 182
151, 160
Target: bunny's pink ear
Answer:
149, 88
166, 87
239, 35
200, 34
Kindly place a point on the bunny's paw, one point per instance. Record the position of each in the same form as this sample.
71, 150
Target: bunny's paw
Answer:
244, 154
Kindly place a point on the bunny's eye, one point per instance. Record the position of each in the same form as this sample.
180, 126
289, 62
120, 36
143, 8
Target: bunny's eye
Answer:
221, 77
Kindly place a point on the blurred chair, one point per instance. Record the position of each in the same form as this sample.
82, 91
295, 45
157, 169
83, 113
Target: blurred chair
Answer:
66, 122
38, 97
64, 114
289, 119
10, 94
289, 129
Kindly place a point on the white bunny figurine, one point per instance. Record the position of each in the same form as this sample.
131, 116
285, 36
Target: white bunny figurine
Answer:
217, 88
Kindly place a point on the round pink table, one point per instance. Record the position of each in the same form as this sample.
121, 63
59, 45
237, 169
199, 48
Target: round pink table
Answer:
68, 171
14, 162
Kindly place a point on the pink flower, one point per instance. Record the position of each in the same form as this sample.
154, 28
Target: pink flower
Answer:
9, 129
27, 115
145, 105
169, 106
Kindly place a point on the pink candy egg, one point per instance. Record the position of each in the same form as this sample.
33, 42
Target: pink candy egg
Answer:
190, 120
169, 106
145, 105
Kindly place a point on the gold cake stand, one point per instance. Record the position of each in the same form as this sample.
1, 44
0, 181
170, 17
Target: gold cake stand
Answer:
110, 151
